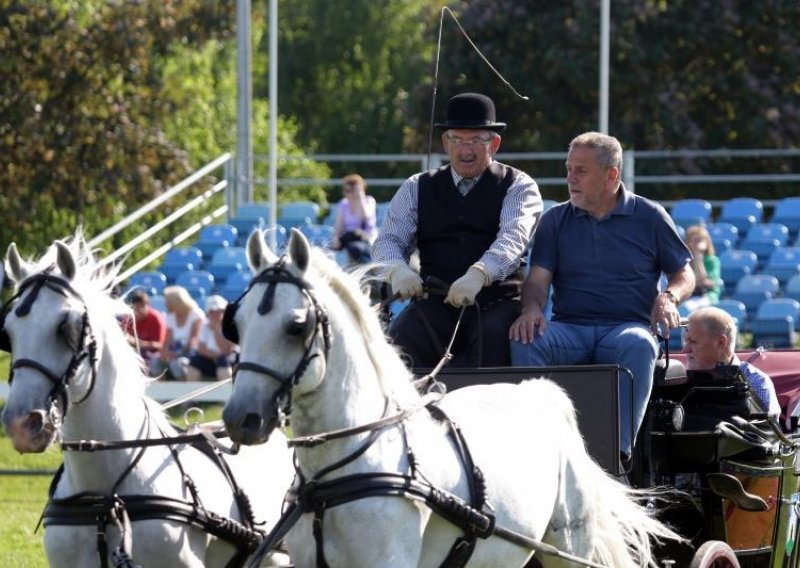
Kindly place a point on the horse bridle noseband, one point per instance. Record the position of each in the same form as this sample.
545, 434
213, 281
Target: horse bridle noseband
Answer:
83, 350
273, 276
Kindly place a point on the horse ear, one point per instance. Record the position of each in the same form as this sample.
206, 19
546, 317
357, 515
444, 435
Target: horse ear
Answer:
299, 250
65, 261
259, 255
18, 269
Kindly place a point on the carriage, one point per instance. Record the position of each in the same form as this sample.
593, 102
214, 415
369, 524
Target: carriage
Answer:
738, 480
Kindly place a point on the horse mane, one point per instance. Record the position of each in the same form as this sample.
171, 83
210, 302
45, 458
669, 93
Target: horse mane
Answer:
392, 372
95, 281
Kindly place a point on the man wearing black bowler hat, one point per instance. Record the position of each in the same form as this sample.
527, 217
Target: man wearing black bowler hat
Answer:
471, 221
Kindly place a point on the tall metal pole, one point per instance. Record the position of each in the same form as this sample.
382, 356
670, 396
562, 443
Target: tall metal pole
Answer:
605, 18
273, 122
244, 113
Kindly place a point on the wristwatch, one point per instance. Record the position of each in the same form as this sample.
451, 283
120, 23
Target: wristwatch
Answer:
672, 297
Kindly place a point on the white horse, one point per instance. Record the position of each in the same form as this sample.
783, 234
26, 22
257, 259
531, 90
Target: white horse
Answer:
76, 377
370, 451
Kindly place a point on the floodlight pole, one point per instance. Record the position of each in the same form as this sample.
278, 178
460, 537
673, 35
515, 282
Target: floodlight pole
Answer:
273, 122
605, 18
244, 112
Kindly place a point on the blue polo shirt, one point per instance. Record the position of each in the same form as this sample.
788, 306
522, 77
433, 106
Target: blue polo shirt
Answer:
607, 271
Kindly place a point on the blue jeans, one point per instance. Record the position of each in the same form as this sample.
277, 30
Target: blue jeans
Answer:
630, 345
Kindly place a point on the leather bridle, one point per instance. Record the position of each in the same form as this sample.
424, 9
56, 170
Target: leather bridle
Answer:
85, 348
272, 276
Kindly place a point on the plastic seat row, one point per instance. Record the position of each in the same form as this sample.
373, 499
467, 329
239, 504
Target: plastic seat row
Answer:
741, 212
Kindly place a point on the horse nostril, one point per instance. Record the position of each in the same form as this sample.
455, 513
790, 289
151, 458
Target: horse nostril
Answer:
252, 422
34, 422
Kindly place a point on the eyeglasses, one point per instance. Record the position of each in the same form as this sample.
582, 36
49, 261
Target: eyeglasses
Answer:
458, 142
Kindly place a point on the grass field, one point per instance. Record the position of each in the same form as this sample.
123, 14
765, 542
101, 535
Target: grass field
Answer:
21, 500
22, 497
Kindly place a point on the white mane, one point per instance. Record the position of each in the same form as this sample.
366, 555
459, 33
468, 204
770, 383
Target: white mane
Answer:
394, 375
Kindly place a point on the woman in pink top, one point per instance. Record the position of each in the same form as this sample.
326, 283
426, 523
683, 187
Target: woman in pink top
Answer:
355, 227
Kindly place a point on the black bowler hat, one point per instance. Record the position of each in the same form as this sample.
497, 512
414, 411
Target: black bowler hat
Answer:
471, 111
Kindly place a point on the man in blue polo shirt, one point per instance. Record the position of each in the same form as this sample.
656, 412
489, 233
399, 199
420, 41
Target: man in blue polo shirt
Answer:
603, 251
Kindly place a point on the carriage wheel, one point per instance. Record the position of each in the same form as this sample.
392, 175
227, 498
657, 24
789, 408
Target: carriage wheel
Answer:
714, 554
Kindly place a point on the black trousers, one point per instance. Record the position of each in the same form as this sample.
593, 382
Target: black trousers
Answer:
424, 329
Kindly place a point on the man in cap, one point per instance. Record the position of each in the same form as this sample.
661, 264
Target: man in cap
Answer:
471, 222
603, 252
215, 354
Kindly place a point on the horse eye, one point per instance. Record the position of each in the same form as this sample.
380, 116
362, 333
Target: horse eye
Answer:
297, 325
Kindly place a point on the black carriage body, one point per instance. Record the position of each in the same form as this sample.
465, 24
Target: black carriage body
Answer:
685, 459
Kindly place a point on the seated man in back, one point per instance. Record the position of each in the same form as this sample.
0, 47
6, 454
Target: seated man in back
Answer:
148, 328
711, 341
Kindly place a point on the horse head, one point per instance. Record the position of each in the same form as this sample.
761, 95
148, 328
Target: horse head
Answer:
283, 334
45, 327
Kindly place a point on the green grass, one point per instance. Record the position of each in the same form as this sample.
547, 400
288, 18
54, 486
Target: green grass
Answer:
22, 497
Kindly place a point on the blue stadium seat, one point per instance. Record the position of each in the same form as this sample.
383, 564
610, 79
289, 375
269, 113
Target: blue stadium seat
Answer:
318, 235
769, 231
737, 311
775, 323
783, 264
752, 290
281, 236
227, 261
159, 303
249, 216
153, 281
744, 212
688, 212
213, 237
763, 248
330, 216
734, 265
298, 214
787, 212
381, 211
180, 259
792, 288
235, 284
196, 282
723, 232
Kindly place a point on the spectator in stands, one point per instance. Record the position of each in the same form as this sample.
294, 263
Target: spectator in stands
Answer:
603, 252
147, 329
215, 354
471, 222
355, 227
706, 266
184, 320
711, 341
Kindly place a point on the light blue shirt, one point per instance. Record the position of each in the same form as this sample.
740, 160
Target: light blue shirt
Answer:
762, 386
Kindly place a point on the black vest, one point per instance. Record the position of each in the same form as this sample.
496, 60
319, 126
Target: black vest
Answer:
454, 231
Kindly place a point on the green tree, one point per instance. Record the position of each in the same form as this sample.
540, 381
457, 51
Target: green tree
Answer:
347, 70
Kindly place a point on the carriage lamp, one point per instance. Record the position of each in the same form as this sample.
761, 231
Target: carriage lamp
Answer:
668, 415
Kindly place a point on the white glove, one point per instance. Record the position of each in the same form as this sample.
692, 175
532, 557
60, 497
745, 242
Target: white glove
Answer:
463, 291
405, 281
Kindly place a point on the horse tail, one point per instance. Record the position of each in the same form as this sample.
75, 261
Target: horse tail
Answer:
623, 530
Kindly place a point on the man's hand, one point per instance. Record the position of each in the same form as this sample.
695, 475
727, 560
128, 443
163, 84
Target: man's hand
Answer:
525, 326
463, 291
405, 281
664, 314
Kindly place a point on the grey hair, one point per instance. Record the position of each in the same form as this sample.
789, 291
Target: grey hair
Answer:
609, 153
716, 321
